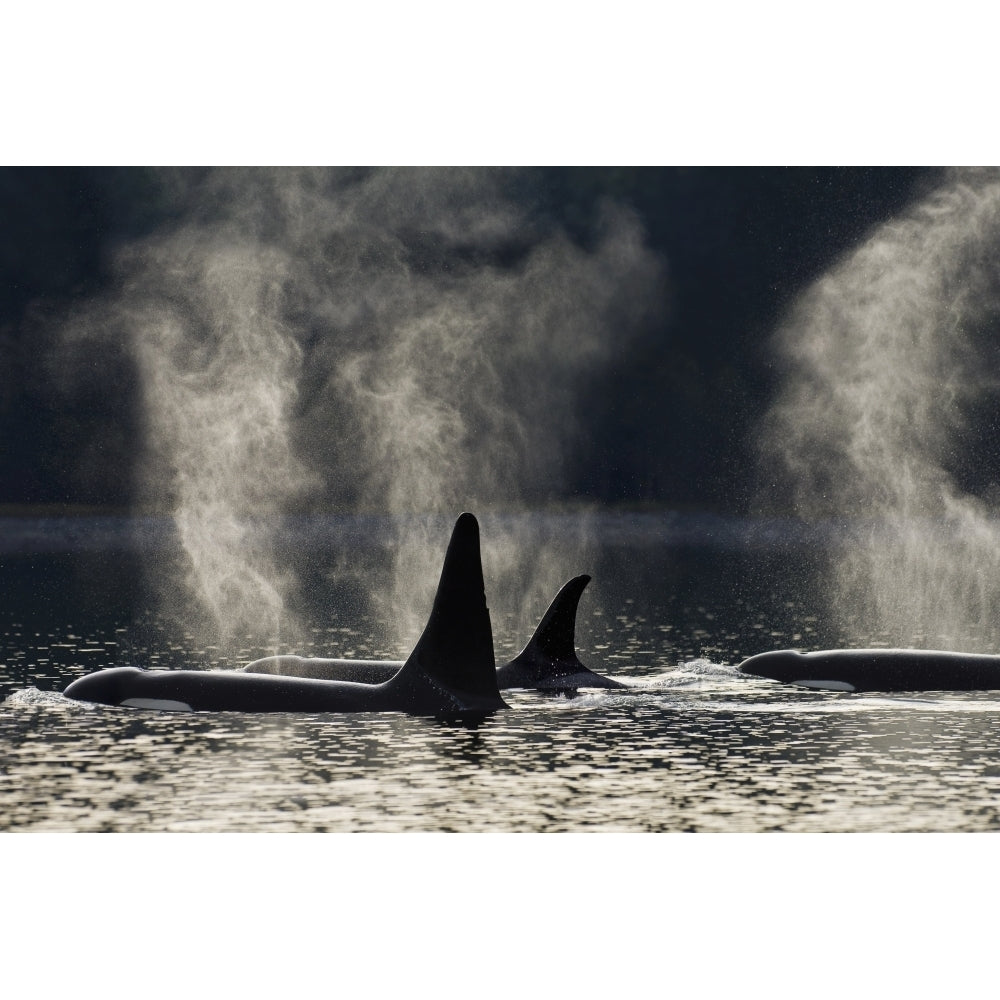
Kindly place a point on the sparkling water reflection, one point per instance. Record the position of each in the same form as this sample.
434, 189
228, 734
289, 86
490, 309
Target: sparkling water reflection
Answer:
692, 746
662, 760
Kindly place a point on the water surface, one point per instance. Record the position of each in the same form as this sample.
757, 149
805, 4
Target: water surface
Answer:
691, 746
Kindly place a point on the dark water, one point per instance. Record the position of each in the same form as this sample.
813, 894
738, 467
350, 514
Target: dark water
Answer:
691, 746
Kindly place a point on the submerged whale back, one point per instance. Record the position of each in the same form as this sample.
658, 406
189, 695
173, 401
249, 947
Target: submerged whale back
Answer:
318, 668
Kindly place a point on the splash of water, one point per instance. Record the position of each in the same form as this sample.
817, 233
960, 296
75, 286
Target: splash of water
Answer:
886, 358
403, 342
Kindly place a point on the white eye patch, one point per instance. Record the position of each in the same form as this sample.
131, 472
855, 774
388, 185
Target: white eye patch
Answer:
157, 704
826, 685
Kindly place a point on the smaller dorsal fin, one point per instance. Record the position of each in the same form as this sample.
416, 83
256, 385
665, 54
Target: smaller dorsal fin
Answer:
551, 651
555, 637
549, 661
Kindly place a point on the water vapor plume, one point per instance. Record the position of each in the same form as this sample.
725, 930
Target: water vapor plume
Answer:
409, 343
891, 375
200, 309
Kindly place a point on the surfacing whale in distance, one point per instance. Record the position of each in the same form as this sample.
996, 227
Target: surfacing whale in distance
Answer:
547, 663
879, 669
450, 671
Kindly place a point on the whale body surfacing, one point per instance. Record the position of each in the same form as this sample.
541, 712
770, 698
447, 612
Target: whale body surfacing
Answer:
879, 669
451, 670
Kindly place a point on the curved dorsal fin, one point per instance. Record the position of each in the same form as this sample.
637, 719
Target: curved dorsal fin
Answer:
549, 661
555, 636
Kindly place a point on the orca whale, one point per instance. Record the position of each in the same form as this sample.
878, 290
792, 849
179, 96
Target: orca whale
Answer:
451, 670
547, 663
879, 669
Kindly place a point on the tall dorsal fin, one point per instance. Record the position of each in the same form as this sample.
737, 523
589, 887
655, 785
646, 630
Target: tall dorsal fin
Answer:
456, 648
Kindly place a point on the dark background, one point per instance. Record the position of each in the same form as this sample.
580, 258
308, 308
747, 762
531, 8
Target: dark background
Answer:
739, 244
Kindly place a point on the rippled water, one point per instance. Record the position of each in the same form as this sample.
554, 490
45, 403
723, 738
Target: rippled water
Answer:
691, 746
